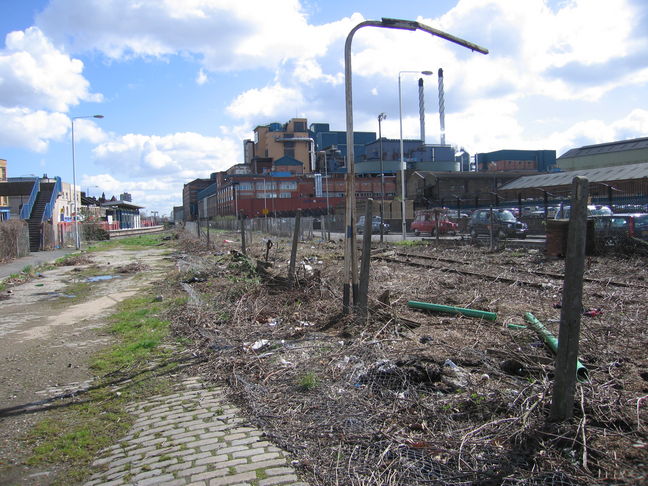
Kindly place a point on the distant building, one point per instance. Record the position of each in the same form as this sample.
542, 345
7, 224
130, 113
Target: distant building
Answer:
125, 196
4, 200
190, 197
277, 140
326, 139
624, 152
517, 161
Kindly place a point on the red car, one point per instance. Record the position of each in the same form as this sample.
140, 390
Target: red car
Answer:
425, 222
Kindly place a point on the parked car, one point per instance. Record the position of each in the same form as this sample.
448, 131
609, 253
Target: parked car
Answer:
619, 228
425, 222
376, 222
592, 210
504, 224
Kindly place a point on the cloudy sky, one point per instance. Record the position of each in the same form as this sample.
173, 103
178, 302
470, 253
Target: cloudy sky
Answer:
182, 82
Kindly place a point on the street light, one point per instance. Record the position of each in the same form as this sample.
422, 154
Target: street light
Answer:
402, 155
381, 117
74, 191
350, 267
326, 227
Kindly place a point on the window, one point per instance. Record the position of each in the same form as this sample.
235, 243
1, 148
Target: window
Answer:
289, 152
291, 185
285, 195
300, 126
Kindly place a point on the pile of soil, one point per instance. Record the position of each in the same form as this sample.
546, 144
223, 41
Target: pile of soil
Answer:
407, 397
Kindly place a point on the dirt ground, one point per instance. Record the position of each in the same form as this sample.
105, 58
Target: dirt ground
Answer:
47, 335
408, 397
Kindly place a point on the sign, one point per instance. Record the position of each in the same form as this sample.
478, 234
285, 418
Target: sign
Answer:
265, 211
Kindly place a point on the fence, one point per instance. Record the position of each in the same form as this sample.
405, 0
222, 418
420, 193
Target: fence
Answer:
310, 227
14, 239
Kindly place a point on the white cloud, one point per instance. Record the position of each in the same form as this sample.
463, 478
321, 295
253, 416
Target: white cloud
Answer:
227, 35
270, 101
201, 78
36, 75
183, 155
31, 130
156, 194
155, 168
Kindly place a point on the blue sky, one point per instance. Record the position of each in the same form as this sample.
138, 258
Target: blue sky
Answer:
181, 83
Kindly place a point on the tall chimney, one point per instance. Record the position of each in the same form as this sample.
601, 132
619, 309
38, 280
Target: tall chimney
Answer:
441, 106
422, 110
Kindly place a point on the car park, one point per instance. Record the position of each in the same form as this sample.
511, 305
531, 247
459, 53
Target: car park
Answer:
376, 223
503, 224
620, 228
592, 210
425, 221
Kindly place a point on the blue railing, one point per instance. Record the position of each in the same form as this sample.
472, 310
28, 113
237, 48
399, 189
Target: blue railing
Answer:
49, 207
26, 210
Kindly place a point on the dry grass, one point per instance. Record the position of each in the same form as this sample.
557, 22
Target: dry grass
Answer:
406, 397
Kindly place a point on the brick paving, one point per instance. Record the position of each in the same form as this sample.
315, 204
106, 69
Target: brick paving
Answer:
192, 437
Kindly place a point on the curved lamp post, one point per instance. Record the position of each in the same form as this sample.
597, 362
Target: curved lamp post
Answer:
350, 266
74, 191
402, 154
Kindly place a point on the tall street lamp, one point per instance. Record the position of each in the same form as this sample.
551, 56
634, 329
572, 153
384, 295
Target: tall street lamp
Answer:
326, 188
74, 191
381, 117
402, 154
350, 267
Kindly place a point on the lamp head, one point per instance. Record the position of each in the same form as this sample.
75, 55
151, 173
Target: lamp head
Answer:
97, 116
427, 73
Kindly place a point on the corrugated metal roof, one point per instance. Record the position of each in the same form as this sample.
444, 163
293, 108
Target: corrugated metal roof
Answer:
603, 174
605, 148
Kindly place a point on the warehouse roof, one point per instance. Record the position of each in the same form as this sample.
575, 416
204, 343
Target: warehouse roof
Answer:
603, 174
605, 148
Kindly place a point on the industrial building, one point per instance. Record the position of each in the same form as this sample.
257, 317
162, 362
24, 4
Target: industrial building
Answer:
611, 154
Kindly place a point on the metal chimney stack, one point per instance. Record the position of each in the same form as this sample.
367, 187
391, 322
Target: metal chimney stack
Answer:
422, 110
441, 106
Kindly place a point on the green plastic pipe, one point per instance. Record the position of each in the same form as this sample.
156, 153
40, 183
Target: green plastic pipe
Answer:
450, 309
551, 341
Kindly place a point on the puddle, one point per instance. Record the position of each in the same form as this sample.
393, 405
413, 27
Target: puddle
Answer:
101, 278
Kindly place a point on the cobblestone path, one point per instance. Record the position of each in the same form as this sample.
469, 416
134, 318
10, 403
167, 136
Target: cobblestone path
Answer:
192, 437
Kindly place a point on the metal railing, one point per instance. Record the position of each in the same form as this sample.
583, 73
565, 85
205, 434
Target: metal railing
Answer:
49, 207
26, 210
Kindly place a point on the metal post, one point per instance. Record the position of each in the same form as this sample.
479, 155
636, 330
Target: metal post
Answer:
363, 291
74, 191
562, 402
74, 204
402, 158
381, 117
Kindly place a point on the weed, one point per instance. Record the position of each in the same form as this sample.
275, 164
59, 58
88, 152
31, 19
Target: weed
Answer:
410, 243
28, 269
261, 474
308, 381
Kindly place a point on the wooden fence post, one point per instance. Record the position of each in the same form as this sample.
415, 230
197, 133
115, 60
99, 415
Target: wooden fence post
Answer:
293, 251
363, 290
243, 250
562, 402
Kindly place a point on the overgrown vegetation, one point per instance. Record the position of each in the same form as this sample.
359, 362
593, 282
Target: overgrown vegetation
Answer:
407, 397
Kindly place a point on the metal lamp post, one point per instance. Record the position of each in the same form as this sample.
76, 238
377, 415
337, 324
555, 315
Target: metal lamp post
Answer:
350, 267
381, 117
402, 154
74, 191
326, 227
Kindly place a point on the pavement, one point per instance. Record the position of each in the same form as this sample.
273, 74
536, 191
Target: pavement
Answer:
34, 259
192, 436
